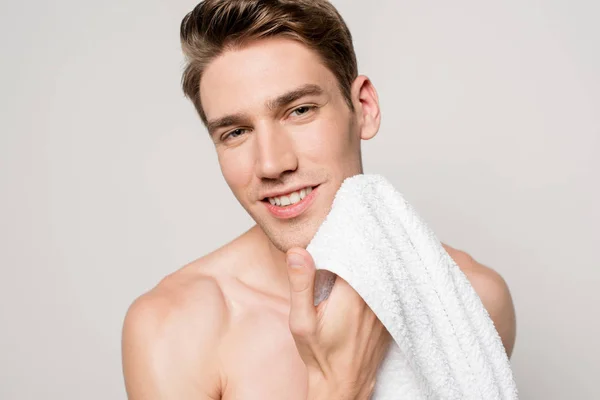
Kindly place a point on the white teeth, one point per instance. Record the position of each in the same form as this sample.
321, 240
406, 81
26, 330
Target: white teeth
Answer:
292, 198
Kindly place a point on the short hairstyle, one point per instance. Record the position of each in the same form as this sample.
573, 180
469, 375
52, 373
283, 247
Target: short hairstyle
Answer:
214, 26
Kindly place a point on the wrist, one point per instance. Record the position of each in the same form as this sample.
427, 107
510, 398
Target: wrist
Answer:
323, 390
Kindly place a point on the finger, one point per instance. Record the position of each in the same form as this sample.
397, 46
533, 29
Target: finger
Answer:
301, 274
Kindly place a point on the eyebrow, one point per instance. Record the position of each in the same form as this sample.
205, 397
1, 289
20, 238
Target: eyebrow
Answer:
272, 104
228, 120
293, 95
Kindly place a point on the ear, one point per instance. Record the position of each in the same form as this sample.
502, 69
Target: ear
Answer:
366, 105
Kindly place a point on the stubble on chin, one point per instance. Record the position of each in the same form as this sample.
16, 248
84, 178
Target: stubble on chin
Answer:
285, 239
290, 235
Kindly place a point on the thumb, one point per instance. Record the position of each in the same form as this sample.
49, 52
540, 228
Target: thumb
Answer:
301, 274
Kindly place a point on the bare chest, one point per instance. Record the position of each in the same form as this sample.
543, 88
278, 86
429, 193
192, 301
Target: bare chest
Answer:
261, 360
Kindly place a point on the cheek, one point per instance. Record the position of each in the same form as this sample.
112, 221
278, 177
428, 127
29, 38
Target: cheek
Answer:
236, 167
328, 139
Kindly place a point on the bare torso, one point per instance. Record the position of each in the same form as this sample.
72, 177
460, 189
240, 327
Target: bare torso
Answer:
237, 300
260, 356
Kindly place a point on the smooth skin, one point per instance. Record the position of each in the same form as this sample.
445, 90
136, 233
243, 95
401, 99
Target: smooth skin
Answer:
238, 323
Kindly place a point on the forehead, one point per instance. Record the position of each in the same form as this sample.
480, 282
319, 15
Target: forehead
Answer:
242, 80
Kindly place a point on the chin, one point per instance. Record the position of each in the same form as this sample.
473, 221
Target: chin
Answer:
284, 241
291, 235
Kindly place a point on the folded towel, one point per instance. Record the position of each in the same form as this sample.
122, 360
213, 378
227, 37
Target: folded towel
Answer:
445, 344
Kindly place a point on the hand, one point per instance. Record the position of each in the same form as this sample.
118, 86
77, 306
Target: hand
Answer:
341, 341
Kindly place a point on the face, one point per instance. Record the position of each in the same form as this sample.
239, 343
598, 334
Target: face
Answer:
284, 133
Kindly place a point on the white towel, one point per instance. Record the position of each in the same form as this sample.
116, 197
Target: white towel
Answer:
445, 344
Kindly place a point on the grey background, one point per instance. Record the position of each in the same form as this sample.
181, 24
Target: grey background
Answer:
491, 128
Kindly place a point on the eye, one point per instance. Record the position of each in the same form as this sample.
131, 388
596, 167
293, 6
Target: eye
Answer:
233, 134
303, 110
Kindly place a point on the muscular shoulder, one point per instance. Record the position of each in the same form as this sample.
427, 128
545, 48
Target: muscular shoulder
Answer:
171, 337
493, 292
185, 293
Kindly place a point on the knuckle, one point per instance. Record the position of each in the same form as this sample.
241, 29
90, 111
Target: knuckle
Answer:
302, 328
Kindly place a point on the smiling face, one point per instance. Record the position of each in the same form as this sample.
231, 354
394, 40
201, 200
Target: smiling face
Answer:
280, 123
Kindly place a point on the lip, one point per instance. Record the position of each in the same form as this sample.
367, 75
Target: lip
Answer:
293, 210
287, 191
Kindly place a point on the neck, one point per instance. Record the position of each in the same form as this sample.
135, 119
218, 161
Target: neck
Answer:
271, 262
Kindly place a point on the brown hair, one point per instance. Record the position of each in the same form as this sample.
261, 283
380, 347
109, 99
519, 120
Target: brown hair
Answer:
214, 26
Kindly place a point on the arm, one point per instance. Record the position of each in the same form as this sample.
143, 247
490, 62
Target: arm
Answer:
169, 341
494, 294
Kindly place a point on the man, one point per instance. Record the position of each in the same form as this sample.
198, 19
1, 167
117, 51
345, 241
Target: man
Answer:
275, 83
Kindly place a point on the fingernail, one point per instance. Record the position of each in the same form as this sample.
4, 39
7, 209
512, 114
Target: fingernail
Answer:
295, 260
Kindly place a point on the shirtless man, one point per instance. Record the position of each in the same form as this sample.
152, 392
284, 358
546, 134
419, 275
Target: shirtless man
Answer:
275, 83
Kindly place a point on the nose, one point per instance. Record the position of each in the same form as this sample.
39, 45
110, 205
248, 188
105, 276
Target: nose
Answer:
275, 152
